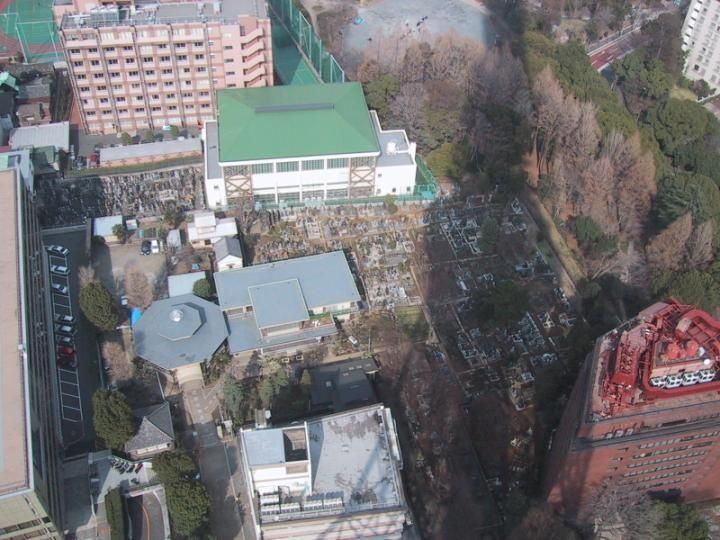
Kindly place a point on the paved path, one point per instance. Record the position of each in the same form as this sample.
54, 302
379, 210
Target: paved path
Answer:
220, 469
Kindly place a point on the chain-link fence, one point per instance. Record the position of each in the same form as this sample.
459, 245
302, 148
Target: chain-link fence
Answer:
307, 41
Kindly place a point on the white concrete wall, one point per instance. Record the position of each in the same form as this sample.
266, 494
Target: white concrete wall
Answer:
215, 192
230, 262
701, 40
397, 180
271, 478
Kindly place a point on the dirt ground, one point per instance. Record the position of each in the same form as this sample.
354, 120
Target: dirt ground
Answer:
334, 21
112, 262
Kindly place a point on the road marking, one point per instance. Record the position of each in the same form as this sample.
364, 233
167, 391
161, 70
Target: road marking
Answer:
146, 518
70, 407
71, 395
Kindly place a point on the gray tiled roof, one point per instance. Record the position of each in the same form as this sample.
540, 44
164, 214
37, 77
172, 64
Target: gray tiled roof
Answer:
278, 303
178, 331
227, 245
325, 280
343, 385
155, 427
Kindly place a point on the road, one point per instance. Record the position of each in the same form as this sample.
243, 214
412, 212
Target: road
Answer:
605, 53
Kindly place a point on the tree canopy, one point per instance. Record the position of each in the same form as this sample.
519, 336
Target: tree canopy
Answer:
682, 522
509, 302
678, 122
112, 418
203, 288
98, 306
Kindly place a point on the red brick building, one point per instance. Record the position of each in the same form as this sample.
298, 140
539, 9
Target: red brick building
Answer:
644, 414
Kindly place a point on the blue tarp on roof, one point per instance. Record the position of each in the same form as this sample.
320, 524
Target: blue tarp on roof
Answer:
135, 314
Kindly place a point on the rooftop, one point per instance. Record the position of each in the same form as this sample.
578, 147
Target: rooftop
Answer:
103, 226
167, 13
179, 331
155, 427
57, 135
206, 226
343, 385
395, 149
356, 453
183, 283
245, 335
324, 280
266, 299
14, 440
227, 246
668, 355
275, 445
315, 120
154, 149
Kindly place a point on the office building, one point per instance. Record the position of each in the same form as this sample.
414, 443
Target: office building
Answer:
303, 144
701, 41
333, 477
30, 440
644, 415
139, 65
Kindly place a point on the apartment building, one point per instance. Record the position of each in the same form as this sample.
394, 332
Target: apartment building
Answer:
138, 65
332, 147
701, 41
334, 477
644, 415
30, 443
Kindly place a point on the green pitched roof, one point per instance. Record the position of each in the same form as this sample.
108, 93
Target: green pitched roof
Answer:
294, 122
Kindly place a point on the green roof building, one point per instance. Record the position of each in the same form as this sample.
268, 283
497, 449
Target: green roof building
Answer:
295, 144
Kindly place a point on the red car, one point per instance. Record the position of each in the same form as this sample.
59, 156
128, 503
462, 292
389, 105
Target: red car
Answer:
67, 361
94, 160
64, 349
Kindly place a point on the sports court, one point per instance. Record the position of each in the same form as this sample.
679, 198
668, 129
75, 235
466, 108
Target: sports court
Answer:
28, 27
287, 60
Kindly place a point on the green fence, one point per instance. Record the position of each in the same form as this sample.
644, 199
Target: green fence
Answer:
306, 40
426, 184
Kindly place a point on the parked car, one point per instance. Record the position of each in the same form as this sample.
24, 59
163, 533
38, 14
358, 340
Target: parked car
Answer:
94, 160
124, 300
62, 289
64, 349
57, 269
68, 319
58, 250
64, 340
64, 329
65, 361
146, 247
154, 246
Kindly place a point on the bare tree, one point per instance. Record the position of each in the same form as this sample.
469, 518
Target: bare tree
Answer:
86, 275
120, 368
667, 249
620, 512
700, 245
137, 288
408, 107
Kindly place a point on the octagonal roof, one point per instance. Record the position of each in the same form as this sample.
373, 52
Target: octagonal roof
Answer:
178, 331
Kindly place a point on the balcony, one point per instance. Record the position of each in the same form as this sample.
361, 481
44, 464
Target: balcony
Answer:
252, 74
257, 33
254, 60
252, 48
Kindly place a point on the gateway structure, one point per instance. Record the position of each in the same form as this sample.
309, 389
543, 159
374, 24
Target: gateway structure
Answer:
644, 415
292, 144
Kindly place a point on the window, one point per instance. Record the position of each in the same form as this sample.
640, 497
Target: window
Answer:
77, 64
81, 77
182, 58
128, 48
156, 109
84, 88
91, 113
107, 113
117, 87
109, 49
228, 47
120, 100
337, 163
170, 96
138, 98
99, 76
180, 45
287, 166
147, 59
132, 73
201, 70
101, 88
205, 106
129, 61
156, 96
172, 108
186, 70
198, 44
199, 57
366, 161
313, 164
115, 74
112, 62
187, 94
261, 168
74, 51
94, 63
140, 110
167, 71
169, 84
229, 60
190, 107
104, 100
230, 73
135, 86
204, 94
150, 72
164, 58
92, 50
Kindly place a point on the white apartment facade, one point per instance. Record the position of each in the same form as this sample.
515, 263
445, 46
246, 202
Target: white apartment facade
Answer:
147, 66
701, 41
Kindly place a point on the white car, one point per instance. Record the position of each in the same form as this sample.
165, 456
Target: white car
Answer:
61, 270
62, 289
64, 329
64, 340
58, 250
65, 319
154, 246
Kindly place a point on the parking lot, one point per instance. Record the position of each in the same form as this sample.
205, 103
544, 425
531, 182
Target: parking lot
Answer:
76, 384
